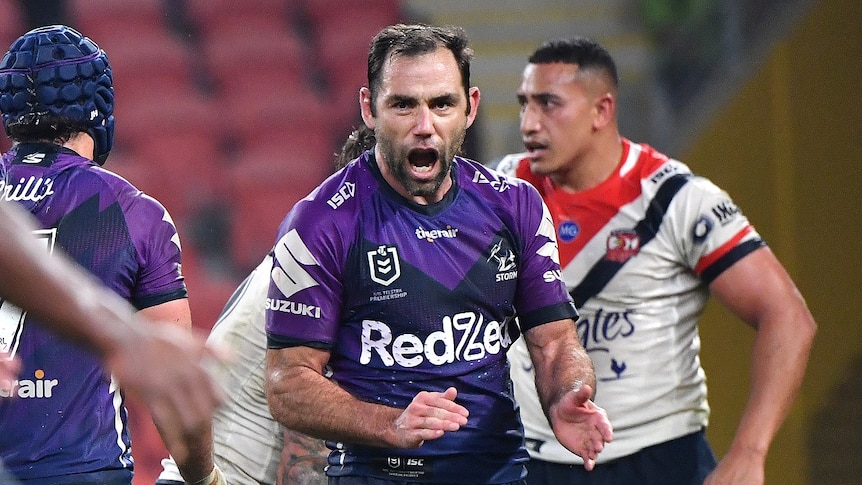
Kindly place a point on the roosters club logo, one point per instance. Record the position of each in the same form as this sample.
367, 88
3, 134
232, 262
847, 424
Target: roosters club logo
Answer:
623, 245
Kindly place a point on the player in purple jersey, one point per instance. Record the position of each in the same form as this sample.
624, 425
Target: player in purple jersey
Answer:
400, 277
64, 419
159, 363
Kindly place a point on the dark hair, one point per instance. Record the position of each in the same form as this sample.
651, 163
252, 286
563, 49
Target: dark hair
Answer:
45, 127
358, 141
415, 40
586, 53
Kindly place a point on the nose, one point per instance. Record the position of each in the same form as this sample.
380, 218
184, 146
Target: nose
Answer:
424, 121
529, 119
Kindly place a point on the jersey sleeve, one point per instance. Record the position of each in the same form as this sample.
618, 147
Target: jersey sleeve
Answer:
712, 232
157, 252
305, 293
541, 295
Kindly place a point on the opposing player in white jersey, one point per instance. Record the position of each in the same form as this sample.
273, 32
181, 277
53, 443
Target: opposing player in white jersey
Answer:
248, 443
643, 242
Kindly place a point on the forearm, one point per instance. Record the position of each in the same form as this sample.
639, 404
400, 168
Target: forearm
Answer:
560, 362
195, 462
302, 399
779, 358
80, 308
303, 459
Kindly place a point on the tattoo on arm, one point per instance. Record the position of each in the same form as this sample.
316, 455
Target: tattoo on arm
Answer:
302, 460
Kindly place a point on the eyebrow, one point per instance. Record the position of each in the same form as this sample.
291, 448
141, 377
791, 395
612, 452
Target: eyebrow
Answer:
446, 98
412, 100
541, 97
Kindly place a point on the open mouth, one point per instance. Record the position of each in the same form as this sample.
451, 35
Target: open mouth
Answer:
535, 148
422, 160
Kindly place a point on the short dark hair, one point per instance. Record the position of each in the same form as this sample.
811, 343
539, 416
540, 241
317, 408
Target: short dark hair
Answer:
45, 127
414, 40
586, 53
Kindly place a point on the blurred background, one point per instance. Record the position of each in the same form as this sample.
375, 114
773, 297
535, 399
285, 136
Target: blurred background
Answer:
229, 112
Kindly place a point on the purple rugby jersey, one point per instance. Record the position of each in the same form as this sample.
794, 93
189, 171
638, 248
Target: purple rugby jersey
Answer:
66, 416
411, 298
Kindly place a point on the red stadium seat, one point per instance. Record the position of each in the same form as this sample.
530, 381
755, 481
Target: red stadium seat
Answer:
264, 185
154, 61
213, 16
208, 289
233, 59
157, 112
324, 11
11, 22
129, 18
342, 35
282, 117
185, 171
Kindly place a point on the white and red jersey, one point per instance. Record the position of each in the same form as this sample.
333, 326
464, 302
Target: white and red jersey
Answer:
637, 253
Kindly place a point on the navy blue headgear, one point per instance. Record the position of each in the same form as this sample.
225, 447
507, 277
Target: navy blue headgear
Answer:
55, 70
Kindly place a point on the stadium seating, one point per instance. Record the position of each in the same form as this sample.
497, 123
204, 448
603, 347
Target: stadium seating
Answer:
11, 22
250, 16
342, 33
234, 58
263, 186
157, 62
111, 18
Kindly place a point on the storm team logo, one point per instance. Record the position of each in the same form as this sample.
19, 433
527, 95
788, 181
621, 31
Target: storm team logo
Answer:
504, 258
384, 265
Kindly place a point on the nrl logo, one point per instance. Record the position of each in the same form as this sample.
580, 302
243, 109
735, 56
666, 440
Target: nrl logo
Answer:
384, 265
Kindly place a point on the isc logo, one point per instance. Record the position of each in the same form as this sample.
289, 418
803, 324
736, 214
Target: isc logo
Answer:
344, 192
398, 462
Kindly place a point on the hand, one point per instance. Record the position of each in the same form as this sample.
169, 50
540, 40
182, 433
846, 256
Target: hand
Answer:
428, 417
581, 426
9, 369
739, 467
172, 383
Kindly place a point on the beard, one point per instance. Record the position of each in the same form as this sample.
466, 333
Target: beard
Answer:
398, 161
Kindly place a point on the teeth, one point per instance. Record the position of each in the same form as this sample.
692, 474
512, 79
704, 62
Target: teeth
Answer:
426, 168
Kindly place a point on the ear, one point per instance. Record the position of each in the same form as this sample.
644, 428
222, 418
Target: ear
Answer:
474, 104
365, 107
606, 106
